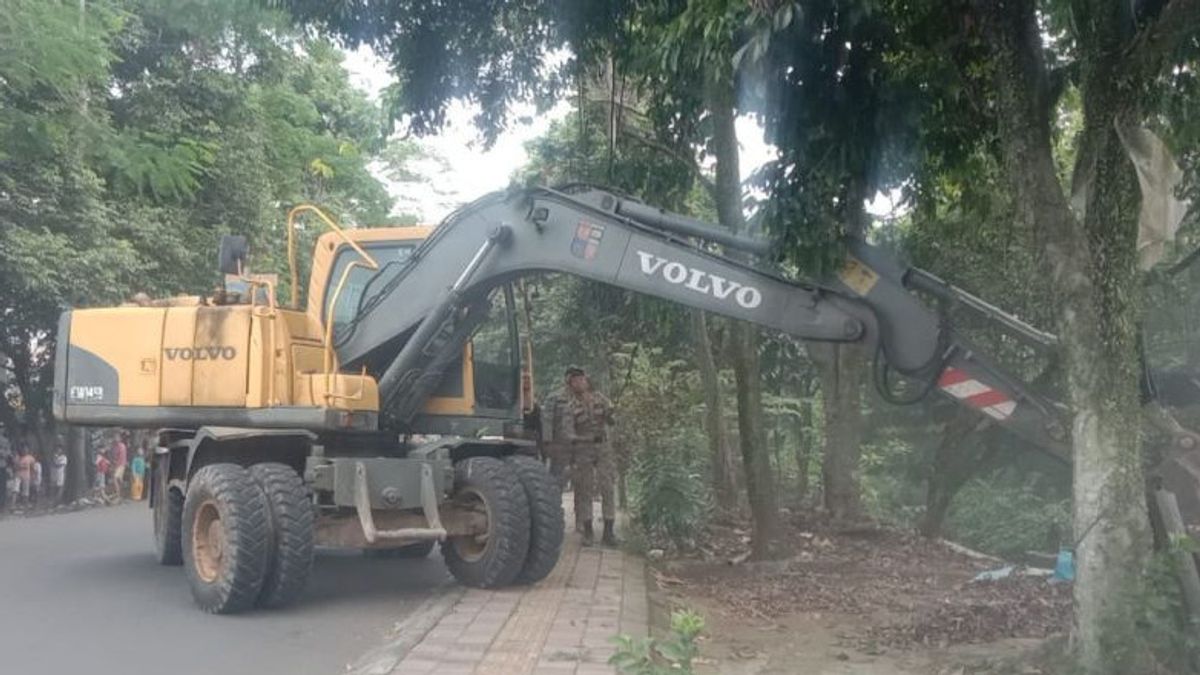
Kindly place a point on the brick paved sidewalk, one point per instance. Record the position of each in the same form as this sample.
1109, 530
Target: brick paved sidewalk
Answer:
561, 626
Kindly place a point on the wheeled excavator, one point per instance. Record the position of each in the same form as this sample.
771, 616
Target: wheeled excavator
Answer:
380, 415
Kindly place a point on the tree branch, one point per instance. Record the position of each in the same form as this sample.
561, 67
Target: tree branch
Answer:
691, 164
1175, 23
621, 105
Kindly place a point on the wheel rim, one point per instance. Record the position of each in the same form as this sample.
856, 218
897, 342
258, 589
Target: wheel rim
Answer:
472, 547
208, 542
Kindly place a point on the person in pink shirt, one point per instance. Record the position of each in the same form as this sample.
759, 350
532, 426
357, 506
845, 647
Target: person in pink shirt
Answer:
25, 474
119, 456
102, 469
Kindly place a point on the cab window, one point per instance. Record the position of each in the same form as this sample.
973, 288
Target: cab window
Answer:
496, 361
391, 256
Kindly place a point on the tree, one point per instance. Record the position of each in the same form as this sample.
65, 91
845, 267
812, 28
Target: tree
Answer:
698, 41
844, 132
1092, 261
132, 134
1005, 80
994, 72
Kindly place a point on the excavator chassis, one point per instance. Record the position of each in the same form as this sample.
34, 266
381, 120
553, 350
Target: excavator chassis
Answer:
350, 492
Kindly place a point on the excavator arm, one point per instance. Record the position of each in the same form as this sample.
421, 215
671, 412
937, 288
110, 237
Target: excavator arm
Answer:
410, 327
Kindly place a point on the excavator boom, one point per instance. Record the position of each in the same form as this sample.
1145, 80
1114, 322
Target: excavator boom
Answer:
594, 234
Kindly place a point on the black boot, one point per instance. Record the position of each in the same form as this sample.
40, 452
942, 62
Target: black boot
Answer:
610, 537
589, 537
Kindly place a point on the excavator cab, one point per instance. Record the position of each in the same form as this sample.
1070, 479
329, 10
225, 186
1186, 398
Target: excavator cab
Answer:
481, 391
245, 357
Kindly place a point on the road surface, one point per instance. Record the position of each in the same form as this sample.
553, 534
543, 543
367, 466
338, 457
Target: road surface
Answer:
81, 593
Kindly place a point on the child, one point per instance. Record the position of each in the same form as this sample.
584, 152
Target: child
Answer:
138, 468
35, 490
102, 466
25, 474
58, 474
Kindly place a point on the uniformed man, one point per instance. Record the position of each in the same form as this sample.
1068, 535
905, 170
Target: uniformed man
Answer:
589, 414
554, 446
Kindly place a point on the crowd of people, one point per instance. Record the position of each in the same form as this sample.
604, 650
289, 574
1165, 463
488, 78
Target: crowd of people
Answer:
30, 480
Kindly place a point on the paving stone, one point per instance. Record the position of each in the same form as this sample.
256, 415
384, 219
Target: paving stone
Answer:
425, 651
545, 668
594, 669
454, 669
417, 666
563, 625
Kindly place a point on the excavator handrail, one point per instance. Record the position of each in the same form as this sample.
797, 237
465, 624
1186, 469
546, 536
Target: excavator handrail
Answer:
294, 273
329, 360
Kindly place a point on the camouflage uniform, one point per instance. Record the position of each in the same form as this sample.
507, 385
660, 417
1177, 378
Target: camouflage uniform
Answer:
593, 462
555, 447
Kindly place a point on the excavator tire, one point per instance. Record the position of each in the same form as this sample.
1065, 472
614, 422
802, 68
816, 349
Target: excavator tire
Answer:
290, 549
496, 557
226, 535
546, 517
421, 549
168, 520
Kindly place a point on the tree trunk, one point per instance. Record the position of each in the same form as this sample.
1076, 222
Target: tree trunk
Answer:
76, 484
1092, 265
777, 437
755, 459
840, 368
724, 467
803, 452
728, 197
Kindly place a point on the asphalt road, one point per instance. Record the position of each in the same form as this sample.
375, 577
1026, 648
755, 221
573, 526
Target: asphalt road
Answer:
82, 593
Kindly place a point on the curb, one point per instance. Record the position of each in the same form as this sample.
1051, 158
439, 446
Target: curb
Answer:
382, 660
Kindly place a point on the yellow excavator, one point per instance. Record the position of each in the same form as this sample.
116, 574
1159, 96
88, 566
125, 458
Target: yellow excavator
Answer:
390, 411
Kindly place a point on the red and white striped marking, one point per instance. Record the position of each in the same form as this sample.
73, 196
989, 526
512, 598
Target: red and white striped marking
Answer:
991, 402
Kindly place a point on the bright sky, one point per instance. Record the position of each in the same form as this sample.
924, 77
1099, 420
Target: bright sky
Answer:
466, 170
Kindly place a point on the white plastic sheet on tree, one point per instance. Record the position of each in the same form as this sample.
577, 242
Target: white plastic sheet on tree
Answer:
1158, 177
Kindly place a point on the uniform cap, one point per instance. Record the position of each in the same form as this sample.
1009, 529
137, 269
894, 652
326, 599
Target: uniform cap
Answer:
574, 370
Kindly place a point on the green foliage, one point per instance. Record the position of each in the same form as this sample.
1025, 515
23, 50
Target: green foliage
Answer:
670, 498
1164, 638
487, 53
133, 133
54, 45
577, 149
1007, 515
659, 420
891, 492
672, 655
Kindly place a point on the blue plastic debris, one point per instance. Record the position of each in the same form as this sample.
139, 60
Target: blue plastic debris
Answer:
1064, 565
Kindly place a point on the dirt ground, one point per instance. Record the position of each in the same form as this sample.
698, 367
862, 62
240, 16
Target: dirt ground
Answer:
862, 601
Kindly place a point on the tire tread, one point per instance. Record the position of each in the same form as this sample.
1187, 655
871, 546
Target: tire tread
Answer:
169, 550
546, 516
290, 547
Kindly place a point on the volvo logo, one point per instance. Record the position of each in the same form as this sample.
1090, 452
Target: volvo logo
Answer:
699, 280
199, 353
